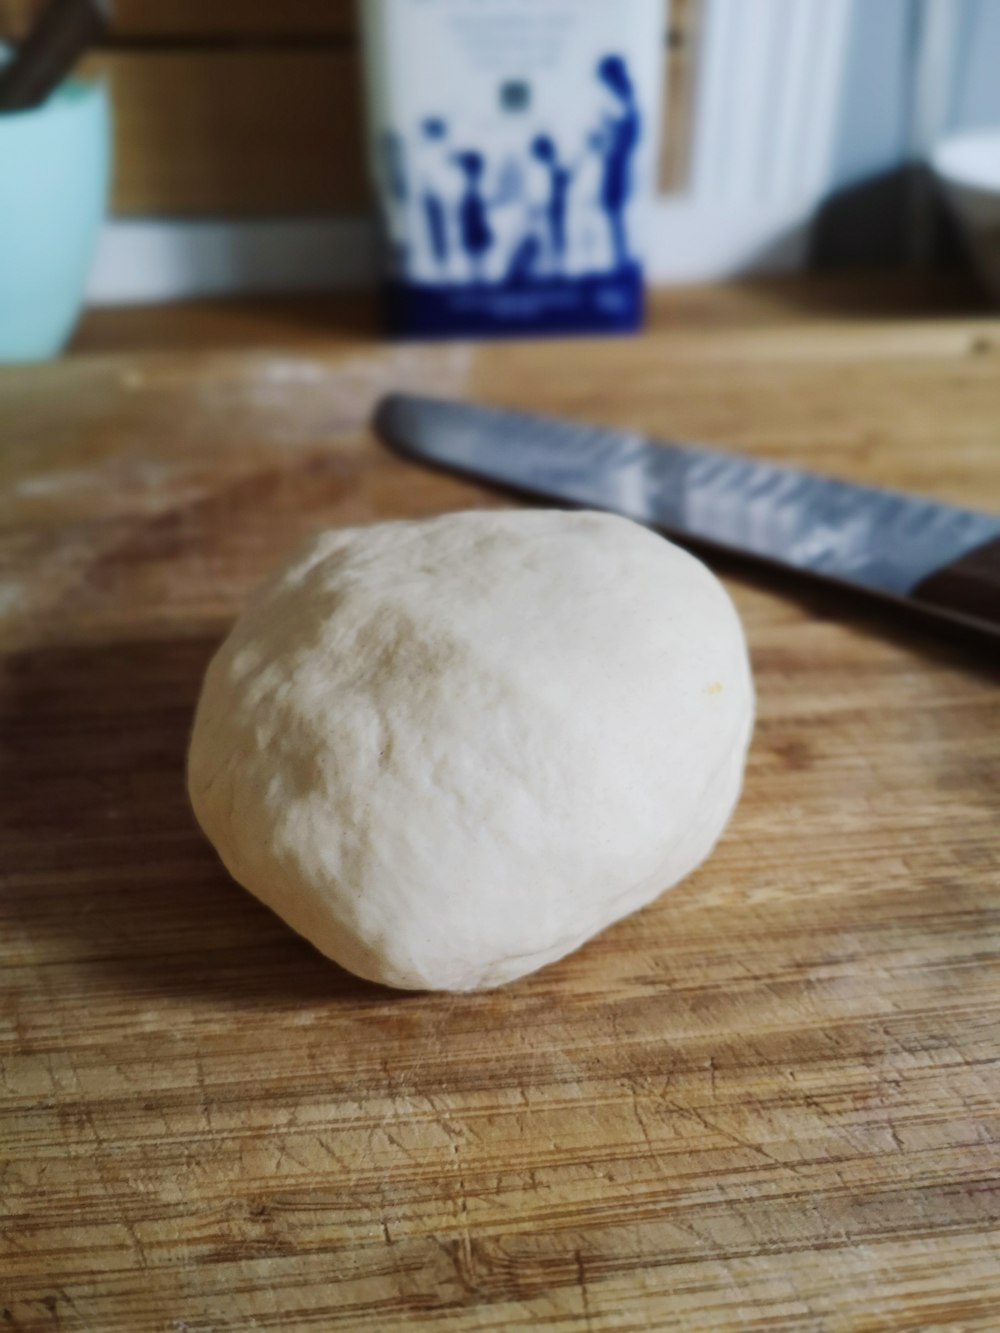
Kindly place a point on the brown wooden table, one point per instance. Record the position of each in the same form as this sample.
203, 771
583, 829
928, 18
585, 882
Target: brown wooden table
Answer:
770, 1100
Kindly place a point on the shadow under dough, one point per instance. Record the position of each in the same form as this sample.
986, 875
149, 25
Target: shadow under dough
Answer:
104, 866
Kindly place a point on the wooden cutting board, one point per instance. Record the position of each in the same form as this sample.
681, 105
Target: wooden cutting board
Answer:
772, 1099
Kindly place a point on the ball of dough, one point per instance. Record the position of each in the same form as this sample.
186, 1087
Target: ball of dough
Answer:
448, 752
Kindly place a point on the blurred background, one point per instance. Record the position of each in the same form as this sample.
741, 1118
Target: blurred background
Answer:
795, 134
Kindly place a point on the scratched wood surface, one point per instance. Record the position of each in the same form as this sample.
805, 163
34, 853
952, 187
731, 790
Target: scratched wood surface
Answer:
772, 1099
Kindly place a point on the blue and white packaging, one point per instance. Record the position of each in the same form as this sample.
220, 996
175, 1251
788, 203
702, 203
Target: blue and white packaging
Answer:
514, 148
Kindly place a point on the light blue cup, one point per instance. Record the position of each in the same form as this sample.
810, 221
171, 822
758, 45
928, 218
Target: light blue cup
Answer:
54, 172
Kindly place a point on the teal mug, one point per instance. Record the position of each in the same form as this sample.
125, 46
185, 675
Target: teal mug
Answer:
54, 171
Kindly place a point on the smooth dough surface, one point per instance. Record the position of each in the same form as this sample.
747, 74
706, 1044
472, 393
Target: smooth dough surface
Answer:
448, 752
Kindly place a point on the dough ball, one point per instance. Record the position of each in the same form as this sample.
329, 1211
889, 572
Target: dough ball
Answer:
449, 752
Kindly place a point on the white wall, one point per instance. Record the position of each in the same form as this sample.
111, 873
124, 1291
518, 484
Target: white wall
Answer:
976, 100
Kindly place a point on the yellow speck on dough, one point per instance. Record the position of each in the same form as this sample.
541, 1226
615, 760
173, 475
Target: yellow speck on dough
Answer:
714, 688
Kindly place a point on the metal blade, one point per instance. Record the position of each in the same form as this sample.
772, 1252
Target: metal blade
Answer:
876, 539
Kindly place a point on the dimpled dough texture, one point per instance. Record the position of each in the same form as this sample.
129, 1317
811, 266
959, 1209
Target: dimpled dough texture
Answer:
449, 752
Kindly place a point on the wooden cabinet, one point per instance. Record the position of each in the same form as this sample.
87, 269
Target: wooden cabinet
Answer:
240, 108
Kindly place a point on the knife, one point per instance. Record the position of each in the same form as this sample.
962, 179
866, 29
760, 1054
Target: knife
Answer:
934, 556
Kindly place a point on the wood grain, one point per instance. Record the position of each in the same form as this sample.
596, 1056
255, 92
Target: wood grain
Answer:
235, 18
230, 109
235, 132
206, 18
246, 132
243, 18
677, 130
229, 129
769, 1100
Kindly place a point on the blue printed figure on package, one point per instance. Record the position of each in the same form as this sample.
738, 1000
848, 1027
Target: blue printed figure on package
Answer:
453, 216
435, 132
560, 180
618, 143
473, 213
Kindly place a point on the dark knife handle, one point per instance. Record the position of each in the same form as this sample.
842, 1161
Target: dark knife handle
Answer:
50, 50
969, 586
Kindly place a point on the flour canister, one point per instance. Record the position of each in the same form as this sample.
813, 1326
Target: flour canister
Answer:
513, 148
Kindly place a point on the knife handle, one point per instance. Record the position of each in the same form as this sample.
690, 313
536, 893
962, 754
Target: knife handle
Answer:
62, 33
969, 586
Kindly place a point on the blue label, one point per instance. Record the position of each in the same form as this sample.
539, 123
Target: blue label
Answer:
611, 303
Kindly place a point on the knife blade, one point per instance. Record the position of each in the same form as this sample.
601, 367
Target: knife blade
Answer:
943, 558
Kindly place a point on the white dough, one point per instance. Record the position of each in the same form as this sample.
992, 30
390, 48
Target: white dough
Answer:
448, 752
